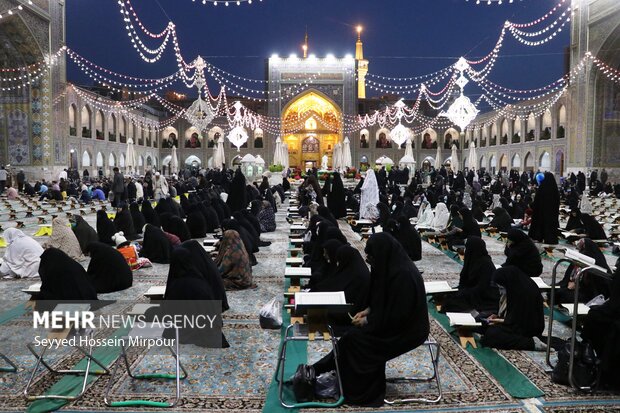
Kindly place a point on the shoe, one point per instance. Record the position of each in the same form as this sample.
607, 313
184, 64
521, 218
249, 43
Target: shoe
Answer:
556, 343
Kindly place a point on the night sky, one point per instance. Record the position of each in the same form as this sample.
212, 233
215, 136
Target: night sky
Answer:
401, 37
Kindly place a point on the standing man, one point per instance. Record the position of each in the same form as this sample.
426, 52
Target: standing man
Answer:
2, 179
118, 187
21, 178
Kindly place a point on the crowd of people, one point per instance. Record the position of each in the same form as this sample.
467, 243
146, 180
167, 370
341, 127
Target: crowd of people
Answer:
147, 225
391, 317
385, 287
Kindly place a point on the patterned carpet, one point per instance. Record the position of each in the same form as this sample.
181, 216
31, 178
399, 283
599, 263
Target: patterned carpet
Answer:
238, 379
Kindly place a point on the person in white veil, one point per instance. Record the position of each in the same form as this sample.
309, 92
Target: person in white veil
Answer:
426, 215
584, 205
22, 256
496, 202
442, 216
370, 197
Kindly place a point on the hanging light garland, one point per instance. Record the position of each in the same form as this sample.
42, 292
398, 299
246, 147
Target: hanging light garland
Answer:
226, 3
13, 10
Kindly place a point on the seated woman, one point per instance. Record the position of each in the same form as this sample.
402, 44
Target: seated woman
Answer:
409, 238
454, 231
105, 228
150, 215
502, 221
155, 246
327, 266
22, 255
137, 217
521, 252
189, 294
64, 239
233, 262
233, 224
203, 262
442, 217
63, 279
592, 228
351, 275
602, 330
178, 227
107, 270
590, 286
475, 290
574, 222
124, 222
196, 222
84, 233
395, 323
425, 215
470, 226
267, 218
520, 320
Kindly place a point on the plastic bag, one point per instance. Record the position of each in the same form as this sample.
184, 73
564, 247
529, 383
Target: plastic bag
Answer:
270, 315
304, 383
326, 386
598, 300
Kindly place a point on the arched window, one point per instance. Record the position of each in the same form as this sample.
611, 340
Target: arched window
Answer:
112, 160
516, 161
546, 126
545, 161
503, 132
193, 138
364, 139
99, 160
561, 123
559, 162
531, 127
451, 138
258, 138
429, 139
112, 128
85, 119
73, 120
383, 139
85, 159
123, 135
99, 125
169, 138
529, 162
310, 145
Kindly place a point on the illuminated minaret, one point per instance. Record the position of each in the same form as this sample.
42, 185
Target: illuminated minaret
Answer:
362, 65
305, 45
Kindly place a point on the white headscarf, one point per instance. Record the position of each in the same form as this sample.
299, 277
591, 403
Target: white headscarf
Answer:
370, 197
496, 202
22, 256
427, 217
584, 205
442, 216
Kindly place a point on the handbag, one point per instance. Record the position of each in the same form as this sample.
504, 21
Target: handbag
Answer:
586, 366
303, 383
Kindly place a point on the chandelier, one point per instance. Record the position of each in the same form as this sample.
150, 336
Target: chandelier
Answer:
400, 133
237, 135
461, 112
200, 114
